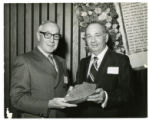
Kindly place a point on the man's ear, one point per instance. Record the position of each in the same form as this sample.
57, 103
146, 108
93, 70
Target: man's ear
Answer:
107, 37
38, 35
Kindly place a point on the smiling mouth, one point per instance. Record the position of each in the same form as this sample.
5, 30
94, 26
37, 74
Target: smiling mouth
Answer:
51, 45
94, 45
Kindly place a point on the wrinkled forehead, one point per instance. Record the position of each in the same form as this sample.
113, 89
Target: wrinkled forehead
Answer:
95, 28
49, 27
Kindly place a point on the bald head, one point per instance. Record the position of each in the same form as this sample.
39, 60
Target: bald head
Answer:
99, 26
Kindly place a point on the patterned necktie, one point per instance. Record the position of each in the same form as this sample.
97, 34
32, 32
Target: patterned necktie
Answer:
51, 59
94, 69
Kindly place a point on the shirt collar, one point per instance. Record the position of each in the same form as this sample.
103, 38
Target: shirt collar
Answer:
44, 53
100, 55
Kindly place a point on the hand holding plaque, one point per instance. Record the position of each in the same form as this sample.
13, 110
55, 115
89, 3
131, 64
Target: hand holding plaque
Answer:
80, 92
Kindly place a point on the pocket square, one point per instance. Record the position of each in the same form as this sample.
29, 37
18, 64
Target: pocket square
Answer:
113, 70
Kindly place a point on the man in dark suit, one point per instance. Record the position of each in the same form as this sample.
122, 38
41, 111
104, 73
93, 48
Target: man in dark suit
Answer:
110, 71
39, 78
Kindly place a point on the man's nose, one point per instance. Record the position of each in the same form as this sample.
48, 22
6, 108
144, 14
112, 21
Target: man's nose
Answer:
51, 39
93, 39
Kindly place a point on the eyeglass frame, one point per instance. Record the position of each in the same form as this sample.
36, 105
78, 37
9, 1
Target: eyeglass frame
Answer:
44, 33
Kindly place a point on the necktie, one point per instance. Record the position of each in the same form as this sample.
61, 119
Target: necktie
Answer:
94, 69
51, 59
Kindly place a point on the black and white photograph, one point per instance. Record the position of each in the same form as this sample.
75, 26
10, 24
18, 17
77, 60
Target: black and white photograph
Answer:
75, 59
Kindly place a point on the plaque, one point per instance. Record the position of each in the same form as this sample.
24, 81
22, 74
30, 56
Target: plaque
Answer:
80, 92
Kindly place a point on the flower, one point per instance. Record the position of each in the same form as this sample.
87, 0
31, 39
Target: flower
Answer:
117, 42
83, 13
107, 10
116, 30
87, 4
122, 49
109, 18
114, 26
102, 17
118, 35
108, 25
97, 10
83, 24
90, 12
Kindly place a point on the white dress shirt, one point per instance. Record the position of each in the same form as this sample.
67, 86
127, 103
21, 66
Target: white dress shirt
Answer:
47, 56
100, 58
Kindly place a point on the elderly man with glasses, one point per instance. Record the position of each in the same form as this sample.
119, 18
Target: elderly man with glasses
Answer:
39, 78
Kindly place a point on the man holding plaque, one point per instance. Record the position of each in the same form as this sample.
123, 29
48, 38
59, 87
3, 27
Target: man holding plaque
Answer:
39, 78
110, 71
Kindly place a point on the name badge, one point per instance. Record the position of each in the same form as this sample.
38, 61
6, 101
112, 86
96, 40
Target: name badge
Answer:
65, 80
113, 70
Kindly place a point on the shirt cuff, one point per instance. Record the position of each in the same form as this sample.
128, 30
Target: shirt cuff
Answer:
104, 104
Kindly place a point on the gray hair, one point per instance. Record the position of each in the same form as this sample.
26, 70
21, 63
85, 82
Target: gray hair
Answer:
46, 22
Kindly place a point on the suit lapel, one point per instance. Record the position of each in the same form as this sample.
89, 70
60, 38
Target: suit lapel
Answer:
104, 61
46, 63
58, 63
102, 66
87, 66
42, 58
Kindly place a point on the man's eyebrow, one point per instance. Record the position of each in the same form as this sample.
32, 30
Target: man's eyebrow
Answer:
96, 33
87, 34
99, 33
49, 32
44, 31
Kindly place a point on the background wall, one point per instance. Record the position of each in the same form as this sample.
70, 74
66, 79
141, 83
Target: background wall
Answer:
20, 24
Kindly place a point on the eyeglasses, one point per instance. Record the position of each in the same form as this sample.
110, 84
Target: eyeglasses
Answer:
89, 37
48, 35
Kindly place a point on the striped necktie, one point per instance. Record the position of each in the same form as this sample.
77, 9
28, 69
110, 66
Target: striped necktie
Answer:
52, 61
94, 69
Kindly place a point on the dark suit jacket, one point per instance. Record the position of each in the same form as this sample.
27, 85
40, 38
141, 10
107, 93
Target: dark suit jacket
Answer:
117, 86
34, 82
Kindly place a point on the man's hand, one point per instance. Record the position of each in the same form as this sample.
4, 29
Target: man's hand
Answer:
59, 103
98, 96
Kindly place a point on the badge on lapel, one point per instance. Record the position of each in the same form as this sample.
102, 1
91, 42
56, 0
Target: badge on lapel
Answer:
65, 79
113, 70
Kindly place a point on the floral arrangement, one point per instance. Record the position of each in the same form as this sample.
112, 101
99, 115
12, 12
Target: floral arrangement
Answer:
101, 12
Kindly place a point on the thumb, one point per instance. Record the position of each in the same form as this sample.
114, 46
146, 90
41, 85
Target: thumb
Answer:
99, 90
70, 89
